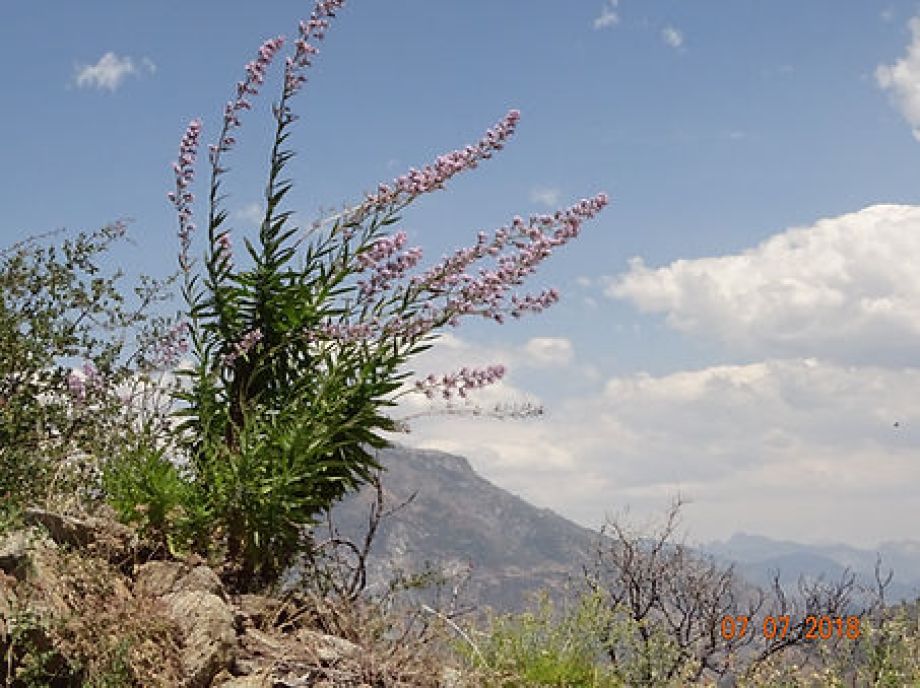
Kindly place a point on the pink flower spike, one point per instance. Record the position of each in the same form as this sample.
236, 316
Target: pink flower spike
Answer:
416, 182
185, 172
462, 382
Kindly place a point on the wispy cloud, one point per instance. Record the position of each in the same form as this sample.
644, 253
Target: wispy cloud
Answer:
902, 80
672, 36
608, 16
109, 72
549, 351
251, 214
547, 196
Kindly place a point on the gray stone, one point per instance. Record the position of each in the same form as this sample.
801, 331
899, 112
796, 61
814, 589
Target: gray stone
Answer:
114, 541
252, 681
328, 649
14, 553
209, 638
157, 578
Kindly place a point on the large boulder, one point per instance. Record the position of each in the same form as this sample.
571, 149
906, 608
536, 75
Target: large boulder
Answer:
209, 638
195, 600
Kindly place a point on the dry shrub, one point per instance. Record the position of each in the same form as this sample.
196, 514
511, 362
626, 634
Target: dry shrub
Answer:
98, 625
397, 647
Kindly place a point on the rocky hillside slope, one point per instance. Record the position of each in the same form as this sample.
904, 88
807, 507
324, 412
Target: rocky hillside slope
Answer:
81, 606
459, 521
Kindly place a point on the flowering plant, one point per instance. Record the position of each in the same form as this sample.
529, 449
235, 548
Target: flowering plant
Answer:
56, 421
293, 368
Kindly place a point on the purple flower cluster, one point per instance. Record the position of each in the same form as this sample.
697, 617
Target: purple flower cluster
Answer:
533, 304
243, 347
225, 248
182, 198
431, 177
345, 333
172, 346
461, 382
485, 294
381, 249
255, 77
80, 382
384, 267
463, 294
413, 308
305, 49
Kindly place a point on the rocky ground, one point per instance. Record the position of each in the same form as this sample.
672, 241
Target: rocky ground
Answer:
81, 603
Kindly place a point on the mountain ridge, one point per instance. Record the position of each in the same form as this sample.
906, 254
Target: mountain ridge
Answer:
459, 521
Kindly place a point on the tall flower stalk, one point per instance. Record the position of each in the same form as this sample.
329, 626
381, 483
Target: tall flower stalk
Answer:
294, 368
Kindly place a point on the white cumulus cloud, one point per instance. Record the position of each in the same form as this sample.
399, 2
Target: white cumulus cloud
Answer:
902, 80
846, 287
608, 16
109, 72
251, 214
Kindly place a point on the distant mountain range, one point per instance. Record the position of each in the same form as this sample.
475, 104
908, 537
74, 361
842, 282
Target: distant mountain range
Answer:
757, 557
459, 520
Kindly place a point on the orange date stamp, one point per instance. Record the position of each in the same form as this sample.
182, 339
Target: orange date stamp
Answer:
779, 627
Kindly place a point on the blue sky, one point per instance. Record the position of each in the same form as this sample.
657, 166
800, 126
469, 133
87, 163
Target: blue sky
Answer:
700, 346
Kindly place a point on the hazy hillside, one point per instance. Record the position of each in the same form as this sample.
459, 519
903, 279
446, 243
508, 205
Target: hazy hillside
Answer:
459, 518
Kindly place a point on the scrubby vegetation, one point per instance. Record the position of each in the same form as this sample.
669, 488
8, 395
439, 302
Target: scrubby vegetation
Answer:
651, 612
140, 492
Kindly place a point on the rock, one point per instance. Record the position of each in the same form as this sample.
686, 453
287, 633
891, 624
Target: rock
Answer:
257, 650
160, 578
209, 638
245, 682
197, 638
113, 541
157, 578
202, 579
297, 659
30, 556
328, 649
14, 553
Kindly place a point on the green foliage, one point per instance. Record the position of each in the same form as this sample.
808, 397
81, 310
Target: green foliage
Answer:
150, 491
892, 650
29, 660
549, 646
644, 652
54, 309
546, 647
116, 671
279, 430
